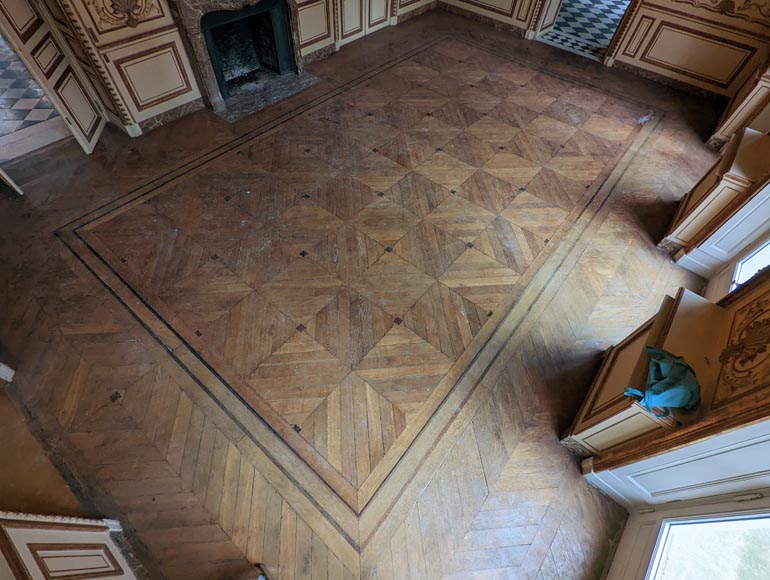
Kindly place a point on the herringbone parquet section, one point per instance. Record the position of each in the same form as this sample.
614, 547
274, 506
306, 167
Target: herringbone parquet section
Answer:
496, 497
178, 475
507, 502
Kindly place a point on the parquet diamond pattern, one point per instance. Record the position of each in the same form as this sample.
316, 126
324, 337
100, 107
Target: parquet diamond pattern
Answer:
250, 332
404, 369
408, 207
393, 283
385, 221
429, 248
480, 279
446, 320
349, 326
302, 289
297, 377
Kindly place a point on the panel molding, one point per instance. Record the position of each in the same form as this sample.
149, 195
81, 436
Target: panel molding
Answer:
524, 11
24, 29
353, 31
106, 18
663, 26
491, 8
41, 552
321, 36
169, 48
667, 9
61, 548
386, 13
638, 35
752, 12
41, 54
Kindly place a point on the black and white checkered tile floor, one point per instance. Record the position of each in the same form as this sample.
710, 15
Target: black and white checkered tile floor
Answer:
586, 27
22, 101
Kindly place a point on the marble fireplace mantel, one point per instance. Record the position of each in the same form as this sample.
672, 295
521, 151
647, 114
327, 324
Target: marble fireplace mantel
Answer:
189, 14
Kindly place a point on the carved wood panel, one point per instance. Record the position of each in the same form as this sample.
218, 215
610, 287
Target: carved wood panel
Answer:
314, 25
109, 15
22, 18
53, 547
38, 45
746, 359
754, 11
688, 48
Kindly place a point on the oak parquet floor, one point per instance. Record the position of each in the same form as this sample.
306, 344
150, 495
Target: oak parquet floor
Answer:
407, 251
250, 311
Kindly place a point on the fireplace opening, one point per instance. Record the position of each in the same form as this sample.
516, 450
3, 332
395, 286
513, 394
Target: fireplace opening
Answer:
247, 46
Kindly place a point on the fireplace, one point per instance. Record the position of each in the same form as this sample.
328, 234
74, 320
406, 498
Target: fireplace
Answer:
234, 43
248, 45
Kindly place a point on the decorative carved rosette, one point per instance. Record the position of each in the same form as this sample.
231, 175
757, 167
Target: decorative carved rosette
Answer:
756, 11
746, 360
131, 13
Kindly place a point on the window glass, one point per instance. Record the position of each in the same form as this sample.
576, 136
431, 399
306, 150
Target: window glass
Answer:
751, 264
721, 549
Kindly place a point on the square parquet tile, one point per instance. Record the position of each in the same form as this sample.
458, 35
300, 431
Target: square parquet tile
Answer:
340, 272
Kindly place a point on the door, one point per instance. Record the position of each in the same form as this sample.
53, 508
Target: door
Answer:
52, 66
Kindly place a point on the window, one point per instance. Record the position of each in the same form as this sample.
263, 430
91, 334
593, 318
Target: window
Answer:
751, 264
727, 548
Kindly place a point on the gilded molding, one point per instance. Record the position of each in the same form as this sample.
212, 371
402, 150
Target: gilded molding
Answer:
118, 13
746, 359
749, 10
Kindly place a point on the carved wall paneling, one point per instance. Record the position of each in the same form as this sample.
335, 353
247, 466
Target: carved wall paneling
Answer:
81, 108
670, 40
152, 73
754, 11
351, 20
51, 547
690, 45
315, 29
356, 18
377, 14
746, 358
22, 18
117, 14
159, 77
66, 29
401, 7
47, 55
502, 10
527, 12
548, 14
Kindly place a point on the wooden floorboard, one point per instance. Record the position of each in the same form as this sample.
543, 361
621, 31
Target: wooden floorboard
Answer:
375, 352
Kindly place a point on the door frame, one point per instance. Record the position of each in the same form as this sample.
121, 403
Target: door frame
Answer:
628, 16
70, 73
645, 529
